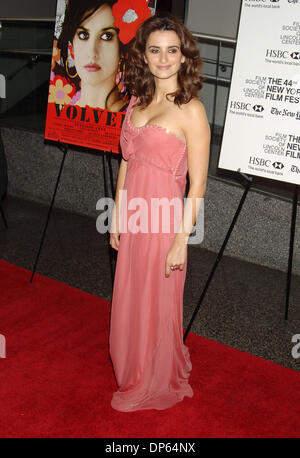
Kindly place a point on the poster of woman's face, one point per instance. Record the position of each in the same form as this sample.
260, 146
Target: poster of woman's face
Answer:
87, 96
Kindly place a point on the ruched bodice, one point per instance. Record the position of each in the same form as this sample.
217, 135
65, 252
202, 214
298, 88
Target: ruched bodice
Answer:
153, 144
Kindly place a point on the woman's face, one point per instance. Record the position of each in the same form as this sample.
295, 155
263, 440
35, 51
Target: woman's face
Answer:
96, 48
163, 53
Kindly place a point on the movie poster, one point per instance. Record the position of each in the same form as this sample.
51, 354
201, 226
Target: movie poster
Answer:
87, 98
262, 128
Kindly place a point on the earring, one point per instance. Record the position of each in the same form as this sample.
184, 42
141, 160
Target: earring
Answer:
67, 70
120, 75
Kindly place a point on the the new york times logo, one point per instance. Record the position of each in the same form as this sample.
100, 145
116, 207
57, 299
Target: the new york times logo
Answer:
243, 106
295, 169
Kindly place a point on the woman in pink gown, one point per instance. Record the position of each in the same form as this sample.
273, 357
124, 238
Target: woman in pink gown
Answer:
165, 135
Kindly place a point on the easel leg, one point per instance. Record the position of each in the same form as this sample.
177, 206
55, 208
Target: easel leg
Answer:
291, 252
111, 176
219, 256
110, 249
65, 150
3, 216
112, 253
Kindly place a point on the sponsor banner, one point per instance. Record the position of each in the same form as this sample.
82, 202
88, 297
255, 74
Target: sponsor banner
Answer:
87, 97
262, 126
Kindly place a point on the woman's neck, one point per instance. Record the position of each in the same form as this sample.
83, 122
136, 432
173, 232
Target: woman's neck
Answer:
164, 87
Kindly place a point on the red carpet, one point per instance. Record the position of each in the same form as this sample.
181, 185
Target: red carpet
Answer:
57, 379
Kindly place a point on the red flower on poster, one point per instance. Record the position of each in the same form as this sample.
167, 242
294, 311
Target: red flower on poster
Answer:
60, 91
129, 15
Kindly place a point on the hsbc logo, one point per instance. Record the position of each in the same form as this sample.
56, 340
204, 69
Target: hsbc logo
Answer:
235, 105
240, 105
259, 161
278, 165
264, 1
258, 108
278, 53
295, 55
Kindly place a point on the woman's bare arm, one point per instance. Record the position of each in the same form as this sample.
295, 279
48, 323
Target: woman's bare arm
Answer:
197, 133
115, 229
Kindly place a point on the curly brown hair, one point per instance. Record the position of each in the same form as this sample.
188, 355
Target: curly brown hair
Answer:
140, 81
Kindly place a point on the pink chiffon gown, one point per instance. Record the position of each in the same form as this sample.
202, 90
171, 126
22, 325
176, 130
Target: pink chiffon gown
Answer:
150, 361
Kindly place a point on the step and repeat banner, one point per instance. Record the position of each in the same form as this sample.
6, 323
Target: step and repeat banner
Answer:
87, 98
262, 126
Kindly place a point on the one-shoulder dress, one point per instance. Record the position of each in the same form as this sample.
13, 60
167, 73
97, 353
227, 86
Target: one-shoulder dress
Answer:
150, 361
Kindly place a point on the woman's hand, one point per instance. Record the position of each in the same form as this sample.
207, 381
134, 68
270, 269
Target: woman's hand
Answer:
176, 256
114, 240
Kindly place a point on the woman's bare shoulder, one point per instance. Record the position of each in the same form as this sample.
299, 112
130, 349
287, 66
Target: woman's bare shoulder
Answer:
193, 114
194, 108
